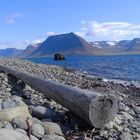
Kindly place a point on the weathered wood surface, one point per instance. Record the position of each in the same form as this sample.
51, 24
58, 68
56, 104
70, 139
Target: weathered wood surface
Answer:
95, 109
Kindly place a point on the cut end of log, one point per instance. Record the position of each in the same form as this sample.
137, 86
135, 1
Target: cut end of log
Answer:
102, 110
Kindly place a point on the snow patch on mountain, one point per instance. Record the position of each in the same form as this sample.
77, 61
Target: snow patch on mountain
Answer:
111, 43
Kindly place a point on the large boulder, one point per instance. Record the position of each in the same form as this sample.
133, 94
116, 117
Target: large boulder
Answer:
58, 56
9, 114
8, 134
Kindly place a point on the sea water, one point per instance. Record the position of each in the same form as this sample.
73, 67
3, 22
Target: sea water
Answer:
123, 67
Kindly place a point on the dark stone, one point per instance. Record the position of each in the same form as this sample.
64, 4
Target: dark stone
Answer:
58, 56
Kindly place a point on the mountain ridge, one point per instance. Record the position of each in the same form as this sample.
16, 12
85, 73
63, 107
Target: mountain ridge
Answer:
10, 52
72, 44
29, 50
64, 43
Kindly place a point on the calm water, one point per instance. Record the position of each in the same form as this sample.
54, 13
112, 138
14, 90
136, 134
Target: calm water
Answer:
116, 67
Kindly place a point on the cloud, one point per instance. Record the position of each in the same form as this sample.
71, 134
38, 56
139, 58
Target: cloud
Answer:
43, 37
11, 19
36, 41
109, 30
25, 43
14, 44
82, 34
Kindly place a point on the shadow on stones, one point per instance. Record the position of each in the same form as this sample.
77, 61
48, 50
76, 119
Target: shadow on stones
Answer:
17, 86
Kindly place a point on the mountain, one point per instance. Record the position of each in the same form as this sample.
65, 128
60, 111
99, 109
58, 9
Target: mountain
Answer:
29, 50
134, 45
104, 44
68, 44
10, 52
120, 47
72, 44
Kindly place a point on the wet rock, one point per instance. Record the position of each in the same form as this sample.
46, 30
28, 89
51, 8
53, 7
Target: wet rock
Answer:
38, 130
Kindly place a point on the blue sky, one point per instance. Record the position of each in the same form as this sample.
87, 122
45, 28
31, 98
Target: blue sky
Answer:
26, 21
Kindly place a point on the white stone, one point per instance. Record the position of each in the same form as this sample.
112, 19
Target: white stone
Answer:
52, 128
38, 130
8, 134
21, 131
9, 114
34, 138
20, 122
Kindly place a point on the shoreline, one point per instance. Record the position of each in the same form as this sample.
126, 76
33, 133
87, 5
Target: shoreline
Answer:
126, 123
97, 69
74, 77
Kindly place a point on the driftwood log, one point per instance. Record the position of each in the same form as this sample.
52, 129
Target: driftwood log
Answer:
97, 110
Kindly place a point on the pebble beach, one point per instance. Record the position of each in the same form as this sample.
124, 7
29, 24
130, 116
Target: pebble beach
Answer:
26, 114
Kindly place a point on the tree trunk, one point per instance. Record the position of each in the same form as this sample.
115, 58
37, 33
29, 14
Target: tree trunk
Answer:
95, 109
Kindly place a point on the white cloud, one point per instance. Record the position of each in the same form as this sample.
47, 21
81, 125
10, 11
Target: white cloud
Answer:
109, 30
36, 41
44, 36
12, 44
11, 19
25, 43
80, 34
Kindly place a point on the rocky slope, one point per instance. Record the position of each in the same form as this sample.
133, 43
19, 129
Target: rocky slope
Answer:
29, 50
44, 119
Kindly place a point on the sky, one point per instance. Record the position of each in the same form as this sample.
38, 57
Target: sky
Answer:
30, 21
